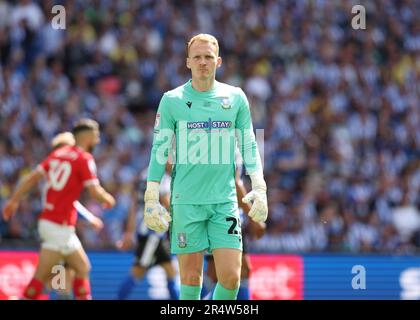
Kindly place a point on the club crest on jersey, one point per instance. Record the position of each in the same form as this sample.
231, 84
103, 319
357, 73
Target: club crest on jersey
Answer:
182, 240
225, 102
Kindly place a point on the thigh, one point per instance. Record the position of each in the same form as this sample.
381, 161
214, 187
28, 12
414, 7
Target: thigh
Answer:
46, 261
227, 261
224, 227
79, 262
188, 231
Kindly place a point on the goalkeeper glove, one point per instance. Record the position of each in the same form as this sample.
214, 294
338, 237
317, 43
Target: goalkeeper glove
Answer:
259, 209
156, 216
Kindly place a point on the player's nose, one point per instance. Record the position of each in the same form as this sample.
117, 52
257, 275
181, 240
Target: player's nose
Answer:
202, 61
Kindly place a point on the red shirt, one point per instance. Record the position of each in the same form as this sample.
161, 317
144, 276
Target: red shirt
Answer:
68, 170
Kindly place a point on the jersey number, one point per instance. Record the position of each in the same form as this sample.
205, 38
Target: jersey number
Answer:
233, 226
59, 174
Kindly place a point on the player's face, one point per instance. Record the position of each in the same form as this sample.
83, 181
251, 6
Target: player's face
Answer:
203, 60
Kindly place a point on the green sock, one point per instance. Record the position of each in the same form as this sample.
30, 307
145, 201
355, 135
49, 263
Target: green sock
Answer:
190, 292
221, 293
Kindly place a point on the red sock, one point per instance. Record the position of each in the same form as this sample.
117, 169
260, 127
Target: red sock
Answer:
33, 290
81, 288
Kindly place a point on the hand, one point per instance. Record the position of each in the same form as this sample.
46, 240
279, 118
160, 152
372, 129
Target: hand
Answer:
10, 209
156, 217
109, 201
97, 224
125, 242
259, 209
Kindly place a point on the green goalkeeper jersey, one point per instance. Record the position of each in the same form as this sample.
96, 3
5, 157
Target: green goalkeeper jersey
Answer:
203, 128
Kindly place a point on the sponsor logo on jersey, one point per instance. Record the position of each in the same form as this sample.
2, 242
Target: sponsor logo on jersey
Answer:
210, 124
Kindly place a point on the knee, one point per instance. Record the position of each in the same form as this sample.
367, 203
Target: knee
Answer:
138, 272
230, 280
83, 269
169, 270
191, 279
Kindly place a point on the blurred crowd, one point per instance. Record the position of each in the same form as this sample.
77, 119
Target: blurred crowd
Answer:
340, 107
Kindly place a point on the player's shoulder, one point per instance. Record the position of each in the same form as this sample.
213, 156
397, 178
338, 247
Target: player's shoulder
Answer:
82, 154
222, 86
64, 153
176, 93
227, 90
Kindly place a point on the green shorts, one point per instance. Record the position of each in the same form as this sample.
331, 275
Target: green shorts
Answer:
195, 228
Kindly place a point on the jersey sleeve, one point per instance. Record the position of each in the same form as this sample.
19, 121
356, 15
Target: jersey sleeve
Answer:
88, 171
163, 136
245, 135
44, 166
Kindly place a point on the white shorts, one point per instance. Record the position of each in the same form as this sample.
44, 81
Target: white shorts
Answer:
58, 237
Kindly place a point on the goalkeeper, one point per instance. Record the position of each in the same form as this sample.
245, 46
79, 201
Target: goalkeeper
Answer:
204, 118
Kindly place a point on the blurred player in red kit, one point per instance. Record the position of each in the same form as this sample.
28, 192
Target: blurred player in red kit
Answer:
66, 292
68, 170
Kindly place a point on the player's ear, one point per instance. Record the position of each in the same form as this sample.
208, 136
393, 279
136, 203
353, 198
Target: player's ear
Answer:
188, 63
219, 62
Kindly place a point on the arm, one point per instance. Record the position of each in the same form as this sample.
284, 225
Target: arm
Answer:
89, 216
251, 157
257, 228
156, 216
99, 194
247, 143
164, 132
27, 184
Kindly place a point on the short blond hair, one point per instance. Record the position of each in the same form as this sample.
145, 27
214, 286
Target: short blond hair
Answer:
206, 38
61, 139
